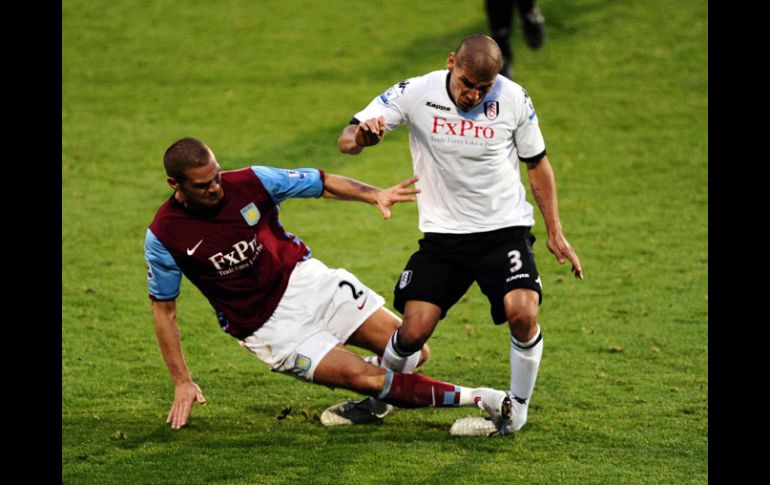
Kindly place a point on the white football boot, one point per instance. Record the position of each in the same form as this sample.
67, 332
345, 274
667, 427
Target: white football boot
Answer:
498, 404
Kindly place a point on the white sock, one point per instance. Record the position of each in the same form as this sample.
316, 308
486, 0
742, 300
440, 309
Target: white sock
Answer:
395, 360
466, 396
392, 360
525, 360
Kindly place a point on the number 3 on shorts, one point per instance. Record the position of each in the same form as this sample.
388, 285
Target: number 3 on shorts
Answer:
515, 260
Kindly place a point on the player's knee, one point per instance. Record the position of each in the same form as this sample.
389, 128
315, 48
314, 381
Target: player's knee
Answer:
522, 322
411, 339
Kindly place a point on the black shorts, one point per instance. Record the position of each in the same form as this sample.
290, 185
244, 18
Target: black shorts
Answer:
446, 265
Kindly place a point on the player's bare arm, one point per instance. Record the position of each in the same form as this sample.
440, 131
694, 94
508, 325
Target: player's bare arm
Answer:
345, 188
186, 392
355, 138
543, 184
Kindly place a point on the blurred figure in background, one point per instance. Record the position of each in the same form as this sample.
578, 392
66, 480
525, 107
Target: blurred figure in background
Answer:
500, 17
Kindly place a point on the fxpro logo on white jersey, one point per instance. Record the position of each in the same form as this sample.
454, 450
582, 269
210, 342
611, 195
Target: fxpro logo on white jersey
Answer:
464, 132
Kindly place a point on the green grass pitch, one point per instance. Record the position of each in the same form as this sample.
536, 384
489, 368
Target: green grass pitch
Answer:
621, 89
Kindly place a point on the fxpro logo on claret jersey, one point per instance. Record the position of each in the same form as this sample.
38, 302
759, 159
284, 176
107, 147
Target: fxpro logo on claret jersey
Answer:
242, 256
463, 128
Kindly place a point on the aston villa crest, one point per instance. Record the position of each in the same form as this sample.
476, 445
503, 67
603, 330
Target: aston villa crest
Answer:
251, 214
491, 109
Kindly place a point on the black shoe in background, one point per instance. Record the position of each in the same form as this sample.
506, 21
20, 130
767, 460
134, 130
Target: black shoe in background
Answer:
533, 27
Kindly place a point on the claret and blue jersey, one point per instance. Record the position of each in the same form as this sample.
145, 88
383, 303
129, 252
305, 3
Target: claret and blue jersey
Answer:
240, 257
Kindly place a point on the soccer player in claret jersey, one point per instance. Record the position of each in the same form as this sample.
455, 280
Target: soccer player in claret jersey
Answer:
221, 230
468, 129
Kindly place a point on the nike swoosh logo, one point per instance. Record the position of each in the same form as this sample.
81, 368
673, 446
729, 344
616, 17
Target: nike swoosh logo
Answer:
191, 251
363, 303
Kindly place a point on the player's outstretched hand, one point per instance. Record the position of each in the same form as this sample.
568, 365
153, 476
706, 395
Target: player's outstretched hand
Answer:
185, 395
402, 192
561, 248
370, 132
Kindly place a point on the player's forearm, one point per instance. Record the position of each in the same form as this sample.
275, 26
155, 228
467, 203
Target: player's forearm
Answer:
347, 141
169, 341
543, 184
339, 187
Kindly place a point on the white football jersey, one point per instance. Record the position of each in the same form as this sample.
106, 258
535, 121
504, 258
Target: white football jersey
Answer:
467, 163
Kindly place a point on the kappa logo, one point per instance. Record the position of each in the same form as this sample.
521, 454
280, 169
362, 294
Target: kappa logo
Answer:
295, 174
516, 277
491, 109
402, 86
406, 278
150, 274
437, 106
250, 214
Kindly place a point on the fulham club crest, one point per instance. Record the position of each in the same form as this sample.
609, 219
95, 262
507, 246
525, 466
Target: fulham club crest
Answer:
491, 109
406, 277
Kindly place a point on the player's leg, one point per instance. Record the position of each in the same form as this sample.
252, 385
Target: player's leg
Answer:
509, 277
375, 334
521, 309
500, 17
532, 23
340, 367
356, 316
430, 284
409, 340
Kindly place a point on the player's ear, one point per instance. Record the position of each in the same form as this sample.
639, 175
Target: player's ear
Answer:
450, 61
173, 183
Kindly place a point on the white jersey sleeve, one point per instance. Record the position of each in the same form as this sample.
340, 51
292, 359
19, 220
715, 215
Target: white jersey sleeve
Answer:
530, 145
394, 104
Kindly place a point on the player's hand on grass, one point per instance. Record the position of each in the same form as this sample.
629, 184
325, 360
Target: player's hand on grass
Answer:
185, 395
561, 248
402, 192
370, 132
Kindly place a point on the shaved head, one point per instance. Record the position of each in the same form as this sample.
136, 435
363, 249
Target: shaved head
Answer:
480, 55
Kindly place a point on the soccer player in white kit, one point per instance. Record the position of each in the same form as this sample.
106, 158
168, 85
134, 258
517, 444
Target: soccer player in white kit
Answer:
468, 129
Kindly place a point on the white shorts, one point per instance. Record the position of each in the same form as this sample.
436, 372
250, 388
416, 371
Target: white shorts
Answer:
321, 308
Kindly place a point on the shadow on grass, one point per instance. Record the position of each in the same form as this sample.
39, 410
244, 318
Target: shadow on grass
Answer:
299, 428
